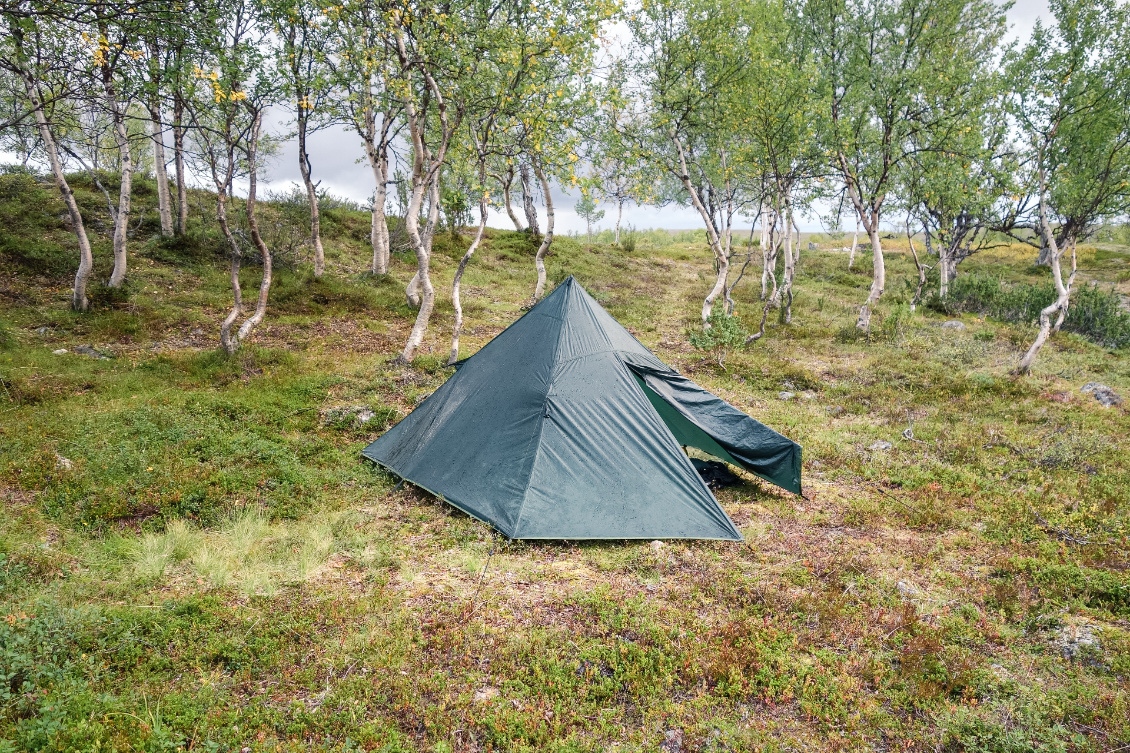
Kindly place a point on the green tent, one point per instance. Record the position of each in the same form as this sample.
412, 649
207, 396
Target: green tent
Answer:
566, 427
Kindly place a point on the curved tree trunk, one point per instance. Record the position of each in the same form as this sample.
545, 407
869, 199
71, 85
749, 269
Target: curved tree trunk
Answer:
506, 187
854, 245
421, 282
878, 280
619, 216
253, 226
921, 270
79, 301
543, 249
1063, 290
229, 343
455, 285
721, 262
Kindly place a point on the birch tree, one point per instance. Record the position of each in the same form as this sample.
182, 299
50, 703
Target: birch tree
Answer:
39, 49
233, 92
1072, 82
888, 71
688, 69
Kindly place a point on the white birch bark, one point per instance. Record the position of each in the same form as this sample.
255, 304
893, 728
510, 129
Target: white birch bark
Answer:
253, 226
547, 239
79, 301
528, 199
377, 153
1063, 290
311, 193
723, 264
125, 192
164, 199
178, 161
854, 245
456, 301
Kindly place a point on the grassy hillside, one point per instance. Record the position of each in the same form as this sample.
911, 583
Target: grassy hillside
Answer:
194, 556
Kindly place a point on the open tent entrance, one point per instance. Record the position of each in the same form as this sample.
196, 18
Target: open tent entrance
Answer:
685, 432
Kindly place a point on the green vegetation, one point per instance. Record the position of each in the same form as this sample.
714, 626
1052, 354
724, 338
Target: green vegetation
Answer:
194, 556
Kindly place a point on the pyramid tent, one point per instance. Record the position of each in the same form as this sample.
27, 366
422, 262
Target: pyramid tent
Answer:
565, 427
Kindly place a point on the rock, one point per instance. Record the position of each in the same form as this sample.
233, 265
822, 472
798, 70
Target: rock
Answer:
42, 331
88, 350
882, 444
786, 395
906, 589
656, 545
815, 464
486, 693
672, 741
60, 351
834, 410
1107, 397
196, 331
953, 324
355, 416
63, 464
788, 385
812, 246
808, 395
1079, 642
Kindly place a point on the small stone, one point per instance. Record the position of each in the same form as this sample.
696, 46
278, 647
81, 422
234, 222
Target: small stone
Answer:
815, 464
60, 351
882, 444
906, 589
786, 395
1106, 397
812, 246
88, 350
656, 545
1079, 642
63, 464
834, 410
808, 395
196, 331
953, 324
42, 331
672, 741
486, 693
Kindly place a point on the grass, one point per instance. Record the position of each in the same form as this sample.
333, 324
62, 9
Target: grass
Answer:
217, 569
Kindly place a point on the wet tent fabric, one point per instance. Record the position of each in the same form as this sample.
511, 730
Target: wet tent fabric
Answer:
546, 433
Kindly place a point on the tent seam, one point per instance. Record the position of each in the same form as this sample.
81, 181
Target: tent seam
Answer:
541, 420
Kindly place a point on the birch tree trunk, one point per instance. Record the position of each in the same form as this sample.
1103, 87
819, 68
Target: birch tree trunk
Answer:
786, 292
722, 263
507, 183
921, 270
178, 160
869, 216
763, 216
79, 301
253, 226
1063, 290
455, 285
229, 343
421, 283
543, 249
528, 199
854, 245
164, 199
121, 218
619, 216
311, 193
378, 162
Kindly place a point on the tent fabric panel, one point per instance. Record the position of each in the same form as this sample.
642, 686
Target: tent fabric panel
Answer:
607, 467
685, 432
755, 446
488, 415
